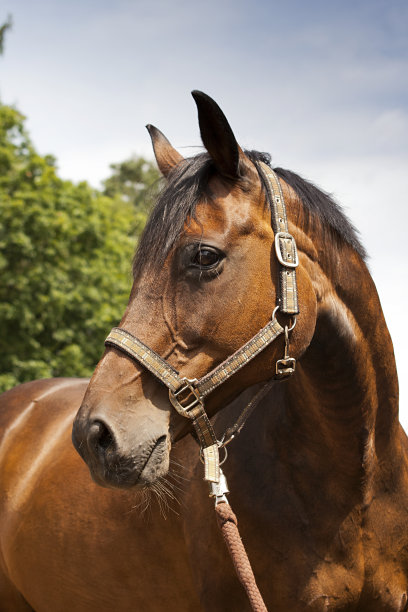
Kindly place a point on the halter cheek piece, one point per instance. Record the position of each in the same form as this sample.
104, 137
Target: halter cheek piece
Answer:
187, 395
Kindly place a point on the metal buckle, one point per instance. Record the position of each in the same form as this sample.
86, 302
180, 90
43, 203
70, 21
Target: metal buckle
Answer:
285, 367
292, 249
176, 397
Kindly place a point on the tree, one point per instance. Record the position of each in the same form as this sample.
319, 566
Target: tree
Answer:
137, 181
65, 263
3, 29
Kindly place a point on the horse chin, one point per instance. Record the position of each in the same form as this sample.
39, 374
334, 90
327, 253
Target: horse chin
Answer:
134, 472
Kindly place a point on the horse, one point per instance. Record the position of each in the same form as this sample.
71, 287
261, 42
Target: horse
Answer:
318, 475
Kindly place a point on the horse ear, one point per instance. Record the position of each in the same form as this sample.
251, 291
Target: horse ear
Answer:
166, 156
218, 137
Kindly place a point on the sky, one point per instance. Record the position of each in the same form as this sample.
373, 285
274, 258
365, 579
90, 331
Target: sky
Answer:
321, 85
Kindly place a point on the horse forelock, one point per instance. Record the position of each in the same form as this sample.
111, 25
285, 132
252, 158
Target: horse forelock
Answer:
188, 184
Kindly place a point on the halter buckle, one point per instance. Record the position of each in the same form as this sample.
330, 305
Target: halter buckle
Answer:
185, 398
286, 251
285, 367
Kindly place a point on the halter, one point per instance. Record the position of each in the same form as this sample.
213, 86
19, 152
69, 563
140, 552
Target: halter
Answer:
187, 395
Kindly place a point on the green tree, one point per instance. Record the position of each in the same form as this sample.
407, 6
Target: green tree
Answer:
3, 29
137, 181
65, 263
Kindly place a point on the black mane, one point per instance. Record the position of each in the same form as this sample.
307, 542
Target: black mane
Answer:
187, 185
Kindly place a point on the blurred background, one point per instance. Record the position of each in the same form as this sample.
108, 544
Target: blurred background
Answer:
321, 85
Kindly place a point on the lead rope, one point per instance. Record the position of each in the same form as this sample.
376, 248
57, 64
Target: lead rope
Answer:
227, 522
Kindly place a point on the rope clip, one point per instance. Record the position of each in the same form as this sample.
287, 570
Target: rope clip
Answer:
219, 490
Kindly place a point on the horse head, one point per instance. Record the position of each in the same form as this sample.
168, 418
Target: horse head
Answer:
205, 282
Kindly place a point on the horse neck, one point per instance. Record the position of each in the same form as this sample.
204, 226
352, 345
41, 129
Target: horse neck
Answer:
342, 404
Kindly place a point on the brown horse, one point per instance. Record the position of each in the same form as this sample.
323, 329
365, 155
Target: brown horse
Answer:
318, 476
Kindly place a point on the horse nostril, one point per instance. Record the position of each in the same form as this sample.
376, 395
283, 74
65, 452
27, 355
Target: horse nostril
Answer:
161, 441
100, 437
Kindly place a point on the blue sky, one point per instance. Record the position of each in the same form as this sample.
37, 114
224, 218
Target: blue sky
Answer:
320, 85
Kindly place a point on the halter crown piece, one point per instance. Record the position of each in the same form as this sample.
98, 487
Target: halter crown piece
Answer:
187, 395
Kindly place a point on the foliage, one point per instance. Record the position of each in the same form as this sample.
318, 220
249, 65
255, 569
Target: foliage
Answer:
135, 180
3, 29
65, 262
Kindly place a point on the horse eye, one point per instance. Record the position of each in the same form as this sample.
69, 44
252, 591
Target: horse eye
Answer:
206, 258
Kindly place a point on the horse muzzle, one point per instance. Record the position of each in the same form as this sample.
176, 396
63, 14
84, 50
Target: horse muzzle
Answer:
121, 457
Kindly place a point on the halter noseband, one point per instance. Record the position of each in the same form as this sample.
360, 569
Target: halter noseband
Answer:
187, 395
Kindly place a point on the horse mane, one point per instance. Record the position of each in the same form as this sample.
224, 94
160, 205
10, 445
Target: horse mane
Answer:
317, 204
187, 185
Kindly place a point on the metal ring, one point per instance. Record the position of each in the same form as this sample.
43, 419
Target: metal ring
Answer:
225, 454
220, 445
292, 318
274, 312
294, 324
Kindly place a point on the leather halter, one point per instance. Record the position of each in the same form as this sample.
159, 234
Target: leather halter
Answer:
187, 395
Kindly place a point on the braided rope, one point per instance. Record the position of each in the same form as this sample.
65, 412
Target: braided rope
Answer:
228, 524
